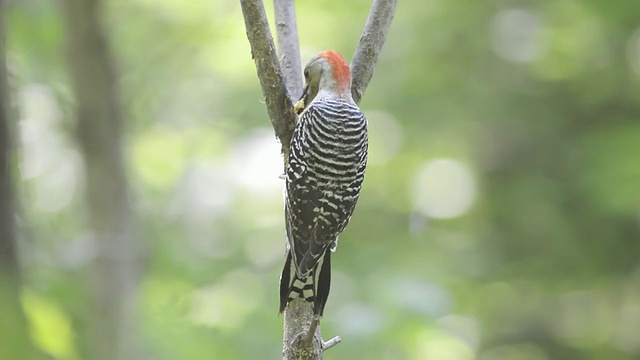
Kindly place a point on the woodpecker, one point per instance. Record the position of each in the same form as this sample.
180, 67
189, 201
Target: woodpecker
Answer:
328, 156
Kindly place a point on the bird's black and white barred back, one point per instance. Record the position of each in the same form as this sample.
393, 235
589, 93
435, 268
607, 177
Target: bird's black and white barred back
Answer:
324, 177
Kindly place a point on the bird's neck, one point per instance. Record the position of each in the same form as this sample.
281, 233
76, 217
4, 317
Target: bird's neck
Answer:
335, 94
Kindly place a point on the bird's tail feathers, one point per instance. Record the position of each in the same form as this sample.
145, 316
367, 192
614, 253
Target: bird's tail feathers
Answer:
312, 288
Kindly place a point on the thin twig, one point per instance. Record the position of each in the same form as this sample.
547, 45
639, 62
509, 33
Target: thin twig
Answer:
288, 47
312, 331
331, 343
279, 105
371, 42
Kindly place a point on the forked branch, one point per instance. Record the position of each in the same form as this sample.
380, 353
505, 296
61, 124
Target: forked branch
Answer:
263, 51
282, 82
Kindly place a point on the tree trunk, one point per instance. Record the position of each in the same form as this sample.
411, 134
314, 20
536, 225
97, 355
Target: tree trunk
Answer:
14, 336
116, 271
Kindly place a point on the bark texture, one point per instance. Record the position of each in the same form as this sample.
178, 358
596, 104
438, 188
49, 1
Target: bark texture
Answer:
263, 51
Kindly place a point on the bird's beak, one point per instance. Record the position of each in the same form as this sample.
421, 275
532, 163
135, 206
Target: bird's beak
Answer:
302, 103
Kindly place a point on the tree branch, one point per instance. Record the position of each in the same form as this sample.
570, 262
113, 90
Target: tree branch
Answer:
279, 105
331, 343
299, 321
302, 339
288, 47
371, 42
298, 315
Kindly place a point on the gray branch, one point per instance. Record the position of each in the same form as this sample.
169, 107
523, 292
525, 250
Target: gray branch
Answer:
302, 338
331, 343
371, 42
279, 105
288, 47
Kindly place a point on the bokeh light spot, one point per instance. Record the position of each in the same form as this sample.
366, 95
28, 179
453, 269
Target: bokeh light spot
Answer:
257, 163
442, 346
357, 319
159, 157
515, 35
56, 188
465, 328
419, 297
444, 188
50, 327
203, 192
229, 302
523, 351
385, 137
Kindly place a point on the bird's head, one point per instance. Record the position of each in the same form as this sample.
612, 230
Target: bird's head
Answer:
327, 75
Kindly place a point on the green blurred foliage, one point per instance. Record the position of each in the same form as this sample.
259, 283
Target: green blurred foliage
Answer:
500, 217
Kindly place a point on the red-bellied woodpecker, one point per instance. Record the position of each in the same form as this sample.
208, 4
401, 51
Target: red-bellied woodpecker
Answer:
324, 176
